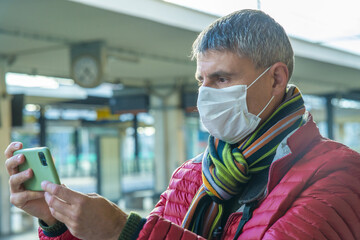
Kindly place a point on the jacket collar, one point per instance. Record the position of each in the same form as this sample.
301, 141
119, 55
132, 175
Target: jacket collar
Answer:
299, 143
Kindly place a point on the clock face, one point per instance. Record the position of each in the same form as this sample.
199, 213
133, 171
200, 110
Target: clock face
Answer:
86, 71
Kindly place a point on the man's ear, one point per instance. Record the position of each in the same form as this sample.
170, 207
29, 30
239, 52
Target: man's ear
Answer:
280, 75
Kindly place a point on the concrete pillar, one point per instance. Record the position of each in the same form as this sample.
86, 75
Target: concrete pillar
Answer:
169, 136
5, 128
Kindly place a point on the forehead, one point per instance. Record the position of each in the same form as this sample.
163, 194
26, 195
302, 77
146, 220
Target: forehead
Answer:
212, 61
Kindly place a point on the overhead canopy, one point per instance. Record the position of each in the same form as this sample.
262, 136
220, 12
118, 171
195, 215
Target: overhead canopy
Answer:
146, 41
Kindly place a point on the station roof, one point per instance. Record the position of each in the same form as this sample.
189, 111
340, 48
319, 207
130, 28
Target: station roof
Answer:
147, 41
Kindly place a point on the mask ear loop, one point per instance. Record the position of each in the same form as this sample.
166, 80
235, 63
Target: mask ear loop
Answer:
258, 77
254, 82
265, 106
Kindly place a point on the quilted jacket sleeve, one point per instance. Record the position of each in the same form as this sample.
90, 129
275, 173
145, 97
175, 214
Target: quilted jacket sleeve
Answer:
164, 220
58, 231
157, 227
65, 236
329, 205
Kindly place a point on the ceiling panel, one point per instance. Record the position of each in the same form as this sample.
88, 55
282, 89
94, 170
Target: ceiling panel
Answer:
39, 33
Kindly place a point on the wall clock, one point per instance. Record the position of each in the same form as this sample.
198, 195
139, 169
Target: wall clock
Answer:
87, 63
86, 71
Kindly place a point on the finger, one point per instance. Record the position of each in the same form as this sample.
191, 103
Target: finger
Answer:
62, 192
60, 217
16, 180
12, 148
21, 198
12, 163
58, 208
58, 205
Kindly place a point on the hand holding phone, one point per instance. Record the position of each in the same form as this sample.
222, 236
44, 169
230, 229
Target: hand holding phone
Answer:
42, 164
32, 202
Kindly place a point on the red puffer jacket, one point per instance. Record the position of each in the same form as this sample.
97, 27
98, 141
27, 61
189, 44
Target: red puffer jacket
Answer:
313, 192
314, 197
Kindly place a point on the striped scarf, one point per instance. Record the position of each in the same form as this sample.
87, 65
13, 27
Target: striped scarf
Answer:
228, 167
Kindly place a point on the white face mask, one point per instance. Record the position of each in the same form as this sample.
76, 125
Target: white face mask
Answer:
224, 112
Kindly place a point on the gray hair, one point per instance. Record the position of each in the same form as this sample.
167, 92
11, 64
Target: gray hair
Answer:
249, 33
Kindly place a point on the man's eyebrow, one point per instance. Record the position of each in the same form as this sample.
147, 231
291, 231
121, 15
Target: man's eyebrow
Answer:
216, 74
220, 73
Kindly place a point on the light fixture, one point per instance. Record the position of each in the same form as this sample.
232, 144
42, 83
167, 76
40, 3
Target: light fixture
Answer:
32, 107
24, 80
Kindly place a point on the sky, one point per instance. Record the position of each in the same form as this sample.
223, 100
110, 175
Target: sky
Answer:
330, 23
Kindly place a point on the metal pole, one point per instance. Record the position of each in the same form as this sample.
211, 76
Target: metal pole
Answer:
137, 149
42, 123
98, 165
330, 117
77, 150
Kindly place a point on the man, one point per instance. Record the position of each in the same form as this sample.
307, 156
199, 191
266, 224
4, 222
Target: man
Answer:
267, 172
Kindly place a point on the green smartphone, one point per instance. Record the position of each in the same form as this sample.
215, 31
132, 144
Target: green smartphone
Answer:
41, 162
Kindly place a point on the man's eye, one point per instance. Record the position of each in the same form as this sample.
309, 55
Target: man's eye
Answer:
222, 80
